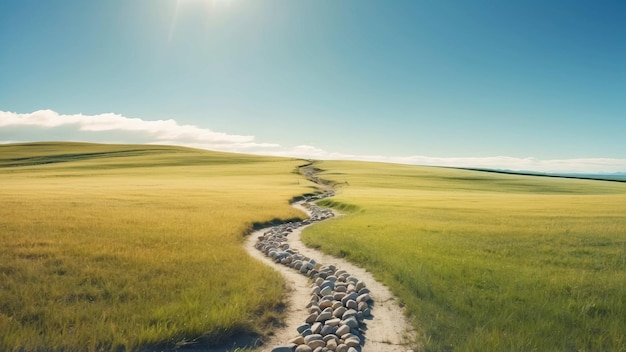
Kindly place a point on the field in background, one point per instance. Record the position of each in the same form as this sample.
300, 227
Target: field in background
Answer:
487, 262
109, 246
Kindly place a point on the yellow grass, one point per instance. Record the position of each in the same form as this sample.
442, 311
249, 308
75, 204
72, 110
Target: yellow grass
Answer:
107, 247
487, 262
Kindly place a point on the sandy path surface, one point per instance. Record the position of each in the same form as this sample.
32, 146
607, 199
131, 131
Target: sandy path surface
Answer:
387, 331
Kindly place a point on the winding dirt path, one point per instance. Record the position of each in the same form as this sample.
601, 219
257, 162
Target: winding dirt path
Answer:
387, 331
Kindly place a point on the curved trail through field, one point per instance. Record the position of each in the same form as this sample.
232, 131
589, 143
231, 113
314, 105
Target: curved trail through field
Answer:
387, 331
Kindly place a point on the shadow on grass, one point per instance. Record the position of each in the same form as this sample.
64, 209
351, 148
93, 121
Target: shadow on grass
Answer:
239, 343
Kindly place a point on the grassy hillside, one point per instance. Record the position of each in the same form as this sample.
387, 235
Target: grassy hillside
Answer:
485, 261
126, 246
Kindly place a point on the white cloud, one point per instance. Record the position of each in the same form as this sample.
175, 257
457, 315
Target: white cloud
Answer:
161, 131
108, 127
589, 165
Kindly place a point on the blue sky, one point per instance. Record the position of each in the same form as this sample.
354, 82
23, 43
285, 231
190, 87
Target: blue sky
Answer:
531, 85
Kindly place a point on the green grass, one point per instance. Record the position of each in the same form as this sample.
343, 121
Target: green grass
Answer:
109, 247
487, 262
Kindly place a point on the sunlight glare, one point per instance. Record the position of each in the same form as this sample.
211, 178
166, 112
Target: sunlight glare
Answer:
208, 4
220, 2
213, 3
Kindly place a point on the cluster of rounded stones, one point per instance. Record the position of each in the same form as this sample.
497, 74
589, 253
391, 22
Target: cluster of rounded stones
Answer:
339, 301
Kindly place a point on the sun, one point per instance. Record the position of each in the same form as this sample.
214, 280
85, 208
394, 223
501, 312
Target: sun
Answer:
219, 2
208, 2
210, 5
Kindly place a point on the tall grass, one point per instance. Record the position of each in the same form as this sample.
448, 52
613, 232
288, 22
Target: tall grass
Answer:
488, 262
110, 247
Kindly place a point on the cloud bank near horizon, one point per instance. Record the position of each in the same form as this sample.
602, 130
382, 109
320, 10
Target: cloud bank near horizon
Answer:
115, 128
581, 165
145, 131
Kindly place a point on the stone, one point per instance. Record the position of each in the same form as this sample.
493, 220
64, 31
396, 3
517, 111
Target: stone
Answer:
325, 315
353, 342
349, 313
353, 349
326, 291
342, 330
338, 313
297, 340
327, 330
316, 344
317, 327
339, 295
326, 304
341, 348
351, 304
331, 345
363, 306
328, 283
306, 333
356, 333
285, 348
333, 322
327, 298
364, 298
305, 268
350, 296
363, 290
312, 337
331, 337
351, 322
360, 285
347, 336
311, 318
303, 348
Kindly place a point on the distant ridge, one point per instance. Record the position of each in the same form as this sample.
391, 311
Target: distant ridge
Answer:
612, 177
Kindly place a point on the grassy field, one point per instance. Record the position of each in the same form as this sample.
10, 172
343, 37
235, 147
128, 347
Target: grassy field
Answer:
108, 247
487, 262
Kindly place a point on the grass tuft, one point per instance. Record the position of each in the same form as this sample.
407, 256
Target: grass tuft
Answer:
342, 207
